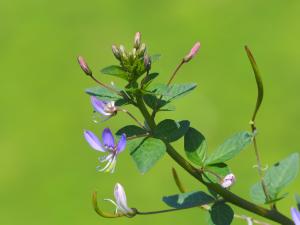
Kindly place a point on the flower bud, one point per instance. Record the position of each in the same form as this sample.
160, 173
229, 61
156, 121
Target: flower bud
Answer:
192, 53
84, 66
122, 52
228, 180
147, 62
116, 52
141, 51
137, 40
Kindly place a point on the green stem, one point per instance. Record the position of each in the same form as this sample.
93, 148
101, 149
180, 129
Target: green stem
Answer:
227, 195
162, 211
143, 109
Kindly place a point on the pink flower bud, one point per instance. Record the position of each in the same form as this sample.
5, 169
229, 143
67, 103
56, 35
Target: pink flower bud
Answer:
116, 52
137, 40
84, 66
228, 180
192, 53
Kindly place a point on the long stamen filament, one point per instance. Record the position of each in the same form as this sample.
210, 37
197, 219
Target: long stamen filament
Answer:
133, 117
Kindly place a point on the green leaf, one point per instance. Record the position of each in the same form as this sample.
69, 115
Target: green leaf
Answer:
276, 178
172, 92
167, 108
221, 214
230, 148
131, 130
155, 58
170, 130
221, 169
188, 200
146, 152
149, 78
115, 71
103, 93
154, 102
195, 146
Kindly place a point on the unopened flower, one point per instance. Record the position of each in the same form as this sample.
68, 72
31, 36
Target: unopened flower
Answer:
147, 62
84, 66
106, 108
141, 51
123, 52
296, 216
121, 201
228, 180
108, 145
137, 40
192, 53
116, 52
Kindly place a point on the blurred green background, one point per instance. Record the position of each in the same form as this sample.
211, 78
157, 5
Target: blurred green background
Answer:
47, 170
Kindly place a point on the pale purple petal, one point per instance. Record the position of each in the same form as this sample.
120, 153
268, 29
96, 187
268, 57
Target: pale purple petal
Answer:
99, 106
296, 216
121, 199
93, 140
122, 143
108, 138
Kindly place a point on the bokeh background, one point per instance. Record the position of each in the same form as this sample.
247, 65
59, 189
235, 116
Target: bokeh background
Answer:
47, 170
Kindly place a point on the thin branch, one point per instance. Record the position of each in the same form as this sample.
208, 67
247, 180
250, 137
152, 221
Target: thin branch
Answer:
207, 207
259, 99
133, 117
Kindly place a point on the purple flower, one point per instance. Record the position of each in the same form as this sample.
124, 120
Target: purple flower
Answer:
108, 145
106, 108
228, 180
192, 53
121, 201
296, 216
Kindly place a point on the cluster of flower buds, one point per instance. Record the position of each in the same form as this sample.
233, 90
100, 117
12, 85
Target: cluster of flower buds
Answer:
136, 61
138, 51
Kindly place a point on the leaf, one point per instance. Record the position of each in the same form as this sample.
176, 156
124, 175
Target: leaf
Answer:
167, 108
149, 78
115, 71
155, 57
221, 214
230, 148
221, 169
146, 152
276, 178
154, 102
188, 200
171, 92
131, 130
170, 130
195, 146
259, 83
103, 93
